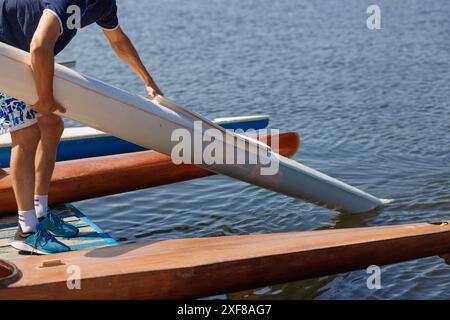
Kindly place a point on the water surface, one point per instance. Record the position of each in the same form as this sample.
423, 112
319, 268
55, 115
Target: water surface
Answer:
372, 108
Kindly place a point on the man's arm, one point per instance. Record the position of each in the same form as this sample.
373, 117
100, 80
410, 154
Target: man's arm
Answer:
125, 50
43, 62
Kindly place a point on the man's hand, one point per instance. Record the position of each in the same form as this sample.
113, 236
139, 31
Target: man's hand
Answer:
48, 107
153, 91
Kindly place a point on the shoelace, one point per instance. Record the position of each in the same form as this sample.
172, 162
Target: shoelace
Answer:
54, 219
41, 234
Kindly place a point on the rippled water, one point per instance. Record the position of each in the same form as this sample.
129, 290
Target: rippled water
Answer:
372, 108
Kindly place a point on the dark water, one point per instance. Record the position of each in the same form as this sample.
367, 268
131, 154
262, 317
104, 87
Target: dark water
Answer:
372, 108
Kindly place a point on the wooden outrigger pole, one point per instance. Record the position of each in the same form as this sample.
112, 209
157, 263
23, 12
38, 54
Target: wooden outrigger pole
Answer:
90, 178
192, 268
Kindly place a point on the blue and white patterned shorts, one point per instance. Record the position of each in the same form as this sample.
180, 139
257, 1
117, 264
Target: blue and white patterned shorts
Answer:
15, 114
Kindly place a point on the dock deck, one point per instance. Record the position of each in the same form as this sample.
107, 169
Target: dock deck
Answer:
91, 236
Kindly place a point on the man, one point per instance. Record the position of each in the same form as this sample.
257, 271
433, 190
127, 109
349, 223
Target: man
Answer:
44, 28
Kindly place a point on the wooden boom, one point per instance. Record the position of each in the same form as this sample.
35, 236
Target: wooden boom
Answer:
192, 268
83, 179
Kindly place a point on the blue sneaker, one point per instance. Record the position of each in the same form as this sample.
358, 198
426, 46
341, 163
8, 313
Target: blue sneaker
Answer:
39, 242
57, 226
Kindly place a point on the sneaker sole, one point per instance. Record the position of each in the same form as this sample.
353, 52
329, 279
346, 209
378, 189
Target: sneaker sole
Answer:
22, 246
65, 237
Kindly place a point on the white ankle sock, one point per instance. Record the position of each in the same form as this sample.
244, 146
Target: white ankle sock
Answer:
28, 221
40, 204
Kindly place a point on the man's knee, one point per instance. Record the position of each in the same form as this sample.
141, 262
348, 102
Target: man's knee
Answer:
51, 126
26, 139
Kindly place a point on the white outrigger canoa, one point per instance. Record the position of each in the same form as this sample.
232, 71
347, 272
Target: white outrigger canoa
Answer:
151, 124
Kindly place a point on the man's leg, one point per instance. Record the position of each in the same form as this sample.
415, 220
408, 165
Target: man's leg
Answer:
51, 128
32, 234
23, 151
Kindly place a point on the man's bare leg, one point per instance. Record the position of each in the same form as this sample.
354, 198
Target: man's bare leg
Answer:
23, 152
51, 128
40, 237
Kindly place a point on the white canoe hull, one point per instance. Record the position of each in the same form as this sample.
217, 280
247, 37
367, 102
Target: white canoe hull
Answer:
150, 124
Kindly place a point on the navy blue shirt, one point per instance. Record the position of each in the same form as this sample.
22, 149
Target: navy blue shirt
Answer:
20, 18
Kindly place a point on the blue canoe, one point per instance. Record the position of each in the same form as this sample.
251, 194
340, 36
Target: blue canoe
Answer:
85, 142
